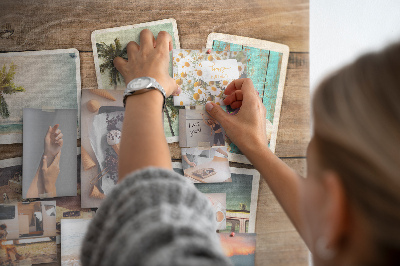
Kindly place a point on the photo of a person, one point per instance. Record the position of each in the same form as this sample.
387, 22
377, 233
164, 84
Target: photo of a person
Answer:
44, 182
10, 250
219, 139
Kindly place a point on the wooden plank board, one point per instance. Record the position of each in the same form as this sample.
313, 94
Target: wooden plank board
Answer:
278, 242
38, 25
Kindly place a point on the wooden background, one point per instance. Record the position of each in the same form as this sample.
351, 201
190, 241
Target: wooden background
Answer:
39, 25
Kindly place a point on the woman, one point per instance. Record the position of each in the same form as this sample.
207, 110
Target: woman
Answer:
346, 210
217, 129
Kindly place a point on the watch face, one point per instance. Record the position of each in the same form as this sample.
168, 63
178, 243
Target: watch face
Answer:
141, 83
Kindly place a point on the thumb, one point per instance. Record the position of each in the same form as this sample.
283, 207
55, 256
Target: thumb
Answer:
44, 163
218, 113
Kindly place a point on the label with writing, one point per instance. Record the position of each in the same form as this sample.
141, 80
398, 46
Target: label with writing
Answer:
219, 70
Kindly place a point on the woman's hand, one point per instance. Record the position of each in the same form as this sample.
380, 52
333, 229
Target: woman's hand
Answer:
50, 174
150, 59
53, 143
247, 129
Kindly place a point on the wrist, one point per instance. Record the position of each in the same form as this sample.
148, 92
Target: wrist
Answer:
150, 99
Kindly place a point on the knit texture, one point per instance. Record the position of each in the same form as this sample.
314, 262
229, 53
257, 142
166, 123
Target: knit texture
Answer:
153, 217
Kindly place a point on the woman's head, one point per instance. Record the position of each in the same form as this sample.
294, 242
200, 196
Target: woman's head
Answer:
357, 138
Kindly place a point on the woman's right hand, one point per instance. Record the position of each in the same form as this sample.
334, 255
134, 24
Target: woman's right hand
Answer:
247, 128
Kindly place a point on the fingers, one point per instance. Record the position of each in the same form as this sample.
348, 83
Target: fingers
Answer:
54, 129
235, 99
58, 137
147, 40
164, 41
245, 85
177, 92
120, 63
60, 142
218, 113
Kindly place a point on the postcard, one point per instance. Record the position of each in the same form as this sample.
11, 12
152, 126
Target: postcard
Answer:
204, 74
110, 43
218, 201
49, 153
37, 219
11, 180
198, 129
241, 197
239, 248
102, 117
206, 165
266, 66
41, 79
73, 233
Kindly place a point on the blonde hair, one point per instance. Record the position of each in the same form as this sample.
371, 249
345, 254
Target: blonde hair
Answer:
357, 134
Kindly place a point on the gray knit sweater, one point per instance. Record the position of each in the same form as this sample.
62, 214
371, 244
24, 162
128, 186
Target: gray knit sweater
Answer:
153, 217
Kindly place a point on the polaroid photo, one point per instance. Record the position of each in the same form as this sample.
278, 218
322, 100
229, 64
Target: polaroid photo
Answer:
40, 79
266, 66
73, 233
198, 129
49, 153
241, 197
102, 117
218, 201
110, 43
240, 248
204, 74
29, 251
206, 165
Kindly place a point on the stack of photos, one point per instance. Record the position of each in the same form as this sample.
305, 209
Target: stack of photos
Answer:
28, 232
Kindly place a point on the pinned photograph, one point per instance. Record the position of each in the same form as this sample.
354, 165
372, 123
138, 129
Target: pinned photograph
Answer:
204, 74
198, 129
266, 66
102, 117
72, 235
206, 165
218, 201
49, 153
39, 79
239, 248
241, 197
37, 219
110, 43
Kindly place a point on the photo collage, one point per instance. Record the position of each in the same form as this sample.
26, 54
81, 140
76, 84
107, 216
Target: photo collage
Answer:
71, 138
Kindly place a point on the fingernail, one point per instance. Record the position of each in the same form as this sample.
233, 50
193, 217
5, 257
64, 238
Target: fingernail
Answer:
179, 90
44, 157
209, 106
258, 93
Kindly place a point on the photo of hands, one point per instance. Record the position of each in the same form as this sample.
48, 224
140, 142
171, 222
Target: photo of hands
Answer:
49, 153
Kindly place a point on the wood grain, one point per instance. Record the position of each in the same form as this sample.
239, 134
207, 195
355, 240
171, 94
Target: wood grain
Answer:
39, 25
278, 242
47, 24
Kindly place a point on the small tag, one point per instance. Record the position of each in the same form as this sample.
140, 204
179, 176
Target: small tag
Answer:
219, 70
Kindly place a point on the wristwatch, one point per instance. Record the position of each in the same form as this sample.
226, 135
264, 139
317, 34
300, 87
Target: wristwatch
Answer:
142, 85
